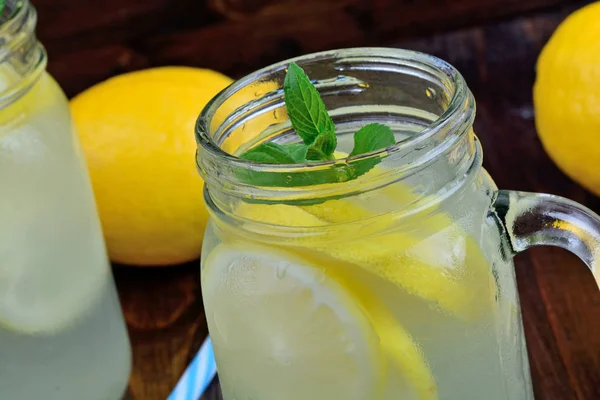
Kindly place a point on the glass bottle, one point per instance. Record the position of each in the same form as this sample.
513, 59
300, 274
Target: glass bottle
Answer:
62, 332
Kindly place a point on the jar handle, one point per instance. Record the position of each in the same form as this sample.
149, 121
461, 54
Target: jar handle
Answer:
534, 219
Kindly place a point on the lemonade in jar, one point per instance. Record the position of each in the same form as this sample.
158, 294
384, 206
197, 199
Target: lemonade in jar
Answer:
62, 333
357, 249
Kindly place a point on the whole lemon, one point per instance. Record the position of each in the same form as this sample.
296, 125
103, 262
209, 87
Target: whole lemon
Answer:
566, 97
137, 132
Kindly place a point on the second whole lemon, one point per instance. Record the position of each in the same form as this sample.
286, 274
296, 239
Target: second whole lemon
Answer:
137, 132
567, 96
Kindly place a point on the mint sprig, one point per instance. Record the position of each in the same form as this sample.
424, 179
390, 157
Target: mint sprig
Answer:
2, 5
306, 108
312, 123
273, 153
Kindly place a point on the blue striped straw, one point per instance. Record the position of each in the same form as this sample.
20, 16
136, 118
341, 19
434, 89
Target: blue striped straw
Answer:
198, 375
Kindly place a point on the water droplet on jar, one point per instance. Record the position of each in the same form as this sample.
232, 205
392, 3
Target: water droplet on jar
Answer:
282, 355
281, 271
430, 92
363, 85
243, 128
287, 361
231, 267
258, 93
321, 276
220, 328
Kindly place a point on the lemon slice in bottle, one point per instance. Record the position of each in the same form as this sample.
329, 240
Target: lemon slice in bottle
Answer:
446, 268
283, 329
433, 258
395, 342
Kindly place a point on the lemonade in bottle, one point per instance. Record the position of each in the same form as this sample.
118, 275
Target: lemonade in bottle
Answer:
365, 265
62, 333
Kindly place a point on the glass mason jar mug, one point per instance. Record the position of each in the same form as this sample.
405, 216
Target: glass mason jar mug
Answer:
396, 284
62, 333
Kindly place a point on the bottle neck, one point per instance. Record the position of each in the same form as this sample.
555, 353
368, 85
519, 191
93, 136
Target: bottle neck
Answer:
22, 57
423, 99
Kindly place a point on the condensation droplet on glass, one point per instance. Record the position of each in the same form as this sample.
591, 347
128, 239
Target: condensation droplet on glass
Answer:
281, 271
276, 114
321, 276
243, 128
231, 267
363, 85
282, 356
258, 93
220, 328
430, 92
288, 179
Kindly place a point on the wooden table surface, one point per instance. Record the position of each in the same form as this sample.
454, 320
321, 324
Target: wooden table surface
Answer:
494, 43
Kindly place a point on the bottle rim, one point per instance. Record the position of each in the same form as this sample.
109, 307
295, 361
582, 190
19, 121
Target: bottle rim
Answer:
218, 167
20, 47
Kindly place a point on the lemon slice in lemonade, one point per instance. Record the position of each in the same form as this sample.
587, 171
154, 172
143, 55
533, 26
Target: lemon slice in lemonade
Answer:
283, 329
432, 258
446, 268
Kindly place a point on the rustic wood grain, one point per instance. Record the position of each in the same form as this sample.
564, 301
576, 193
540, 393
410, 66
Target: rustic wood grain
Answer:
164, 314
237, 36
494, 43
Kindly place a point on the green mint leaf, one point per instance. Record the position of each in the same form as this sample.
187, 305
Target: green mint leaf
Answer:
2, 5
270, 153
372, 137
312, 123
369, 138
305, 107
325, 143
338, 173
297, 151
321, 149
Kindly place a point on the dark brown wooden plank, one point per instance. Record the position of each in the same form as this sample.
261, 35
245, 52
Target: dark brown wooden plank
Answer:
78, 71
165, 317
307, 27
62, 19
571, 298
548, 370
202, 33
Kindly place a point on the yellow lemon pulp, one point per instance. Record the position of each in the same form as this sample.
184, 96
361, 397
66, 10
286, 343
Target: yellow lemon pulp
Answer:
137, 134
379, 255
436, 261
288, 321
432, 258
566, 100
267, 271
395, 341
